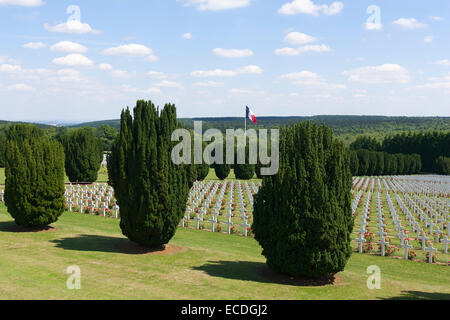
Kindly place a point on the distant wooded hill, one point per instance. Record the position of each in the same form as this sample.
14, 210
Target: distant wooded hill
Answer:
346, 127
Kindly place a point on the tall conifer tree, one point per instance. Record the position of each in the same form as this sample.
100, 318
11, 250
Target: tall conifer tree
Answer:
151, 190
302, 215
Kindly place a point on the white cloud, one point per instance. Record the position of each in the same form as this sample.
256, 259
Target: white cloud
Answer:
436, 18
299, 51
227, 73
130, 89
245, 91
437, 83
213, 73
68, 47
159, 75
444, 62
309, 7
310, 79
410, 23
23, 3
70, 75
133, 51
116, 72
208, 84
73, 60
169, 84
72, 26
6, 59
124, 74
34, 45
428, 39
21, 87
232, 53
216, 5
16, 72
187, 36
298, 38
386, 73
105, 66
250, 70
373, 26
10, 68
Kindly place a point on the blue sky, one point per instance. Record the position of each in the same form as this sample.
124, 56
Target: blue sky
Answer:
213, 57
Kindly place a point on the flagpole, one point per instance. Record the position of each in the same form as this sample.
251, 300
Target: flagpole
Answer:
245, 123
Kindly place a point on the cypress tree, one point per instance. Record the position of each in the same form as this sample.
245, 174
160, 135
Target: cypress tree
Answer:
354, 163
202, 169
380, 164
2, 150
302, 215
244, 171
443, 165
34, 192
364, 162
151, 190
84, 155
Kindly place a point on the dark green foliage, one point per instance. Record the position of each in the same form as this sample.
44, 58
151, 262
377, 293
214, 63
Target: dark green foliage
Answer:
34, 192
107, 136
364, 162
367, 143
244, 171
354, 162
202, 169
429, 145
379, 166
381, 163
302, 215
2, 149
151, 190
84, 155
443, 165
222, 171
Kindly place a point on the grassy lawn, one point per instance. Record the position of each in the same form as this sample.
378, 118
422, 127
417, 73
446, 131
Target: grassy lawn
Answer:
102, 176
208, 266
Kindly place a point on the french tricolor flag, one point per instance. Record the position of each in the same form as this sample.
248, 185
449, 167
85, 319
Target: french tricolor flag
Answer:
250, 115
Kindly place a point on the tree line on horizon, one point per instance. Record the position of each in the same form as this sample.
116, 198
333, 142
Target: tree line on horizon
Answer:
427, 152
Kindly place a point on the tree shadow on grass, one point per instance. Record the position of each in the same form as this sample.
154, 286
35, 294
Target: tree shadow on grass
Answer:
11, 226
94, 243
260, 272
418, 295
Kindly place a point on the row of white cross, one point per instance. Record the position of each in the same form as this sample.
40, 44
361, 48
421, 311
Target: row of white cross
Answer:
436, 209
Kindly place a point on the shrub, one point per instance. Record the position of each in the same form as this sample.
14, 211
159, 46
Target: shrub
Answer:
302, 215
34, 192
150, 189
84, 155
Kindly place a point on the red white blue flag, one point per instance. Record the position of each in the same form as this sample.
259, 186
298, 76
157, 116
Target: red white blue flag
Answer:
250, 115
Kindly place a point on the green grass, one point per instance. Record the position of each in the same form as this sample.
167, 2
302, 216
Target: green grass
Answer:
209, 266
212, 176
102, 176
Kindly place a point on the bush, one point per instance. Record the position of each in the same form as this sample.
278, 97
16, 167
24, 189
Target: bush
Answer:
222, 171
151, 190
84, 155
34, 192
443, 165
202, 171
302, 215
244, 171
